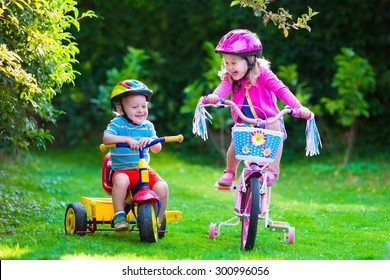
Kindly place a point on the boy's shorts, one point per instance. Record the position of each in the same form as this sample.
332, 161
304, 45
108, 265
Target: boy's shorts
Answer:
133, 175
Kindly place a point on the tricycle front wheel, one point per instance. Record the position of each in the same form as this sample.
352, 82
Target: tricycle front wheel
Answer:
147, 222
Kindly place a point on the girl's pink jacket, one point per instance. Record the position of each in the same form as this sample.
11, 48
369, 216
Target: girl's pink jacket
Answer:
263, 95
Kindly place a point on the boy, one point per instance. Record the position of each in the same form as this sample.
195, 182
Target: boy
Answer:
129, 101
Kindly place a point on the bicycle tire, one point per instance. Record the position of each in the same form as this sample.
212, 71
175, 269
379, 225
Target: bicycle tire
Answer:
147, 222
251, 210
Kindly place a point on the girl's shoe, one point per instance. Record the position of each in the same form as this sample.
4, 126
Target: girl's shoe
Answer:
271, 178
120, 222
227, 179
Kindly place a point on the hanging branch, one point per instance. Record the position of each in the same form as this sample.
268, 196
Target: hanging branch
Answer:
282, 18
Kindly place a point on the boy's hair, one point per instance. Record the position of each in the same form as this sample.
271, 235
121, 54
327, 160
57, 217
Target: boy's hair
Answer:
253, 74
113, 106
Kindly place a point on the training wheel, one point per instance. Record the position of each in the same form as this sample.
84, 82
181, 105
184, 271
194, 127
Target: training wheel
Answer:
291, 235
213, 231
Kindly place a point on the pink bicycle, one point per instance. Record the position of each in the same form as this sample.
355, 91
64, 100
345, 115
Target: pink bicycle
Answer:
257, 147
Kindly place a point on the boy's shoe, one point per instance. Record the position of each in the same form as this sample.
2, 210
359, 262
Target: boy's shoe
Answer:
120, 222
162, 227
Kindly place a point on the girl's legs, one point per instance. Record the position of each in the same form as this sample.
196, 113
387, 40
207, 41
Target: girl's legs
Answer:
273, 168
229, 174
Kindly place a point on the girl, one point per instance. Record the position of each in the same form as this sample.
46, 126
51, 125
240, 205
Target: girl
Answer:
255, 89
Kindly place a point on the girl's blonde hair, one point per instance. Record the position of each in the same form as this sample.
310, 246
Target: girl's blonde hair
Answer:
253, 74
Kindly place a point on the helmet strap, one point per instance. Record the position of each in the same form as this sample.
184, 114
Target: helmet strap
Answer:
236, 86
124, 113
250, 66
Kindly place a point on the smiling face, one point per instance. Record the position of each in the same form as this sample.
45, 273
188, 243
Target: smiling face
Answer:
136, 108
235, 65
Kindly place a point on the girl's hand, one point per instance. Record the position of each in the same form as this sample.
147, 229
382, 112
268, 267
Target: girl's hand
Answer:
304, 112
212, 98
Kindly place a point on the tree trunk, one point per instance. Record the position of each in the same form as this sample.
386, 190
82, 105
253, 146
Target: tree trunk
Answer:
351, 136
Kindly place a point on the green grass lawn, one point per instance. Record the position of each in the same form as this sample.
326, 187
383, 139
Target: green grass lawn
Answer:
338, 214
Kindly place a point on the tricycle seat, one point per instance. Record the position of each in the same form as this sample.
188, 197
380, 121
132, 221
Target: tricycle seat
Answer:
106, 174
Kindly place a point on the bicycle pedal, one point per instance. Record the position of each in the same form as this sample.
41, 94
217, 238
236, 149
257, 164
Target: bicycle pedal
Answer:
276, 224
224, 188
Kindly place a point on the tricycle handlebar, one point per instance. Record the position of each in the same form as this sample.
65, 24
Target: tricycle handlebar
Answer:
177, 138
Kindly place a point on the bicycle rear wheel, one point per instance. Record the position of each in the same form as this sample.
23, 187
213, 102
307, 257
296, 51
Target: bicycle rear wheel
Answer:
251, 210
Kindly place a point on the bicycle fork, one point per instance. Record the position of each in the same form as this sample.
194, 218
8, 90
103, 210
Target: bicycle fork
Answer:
253, 170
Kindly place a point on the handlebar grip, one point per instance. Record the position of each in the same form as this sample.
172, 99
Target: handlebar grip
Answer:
297, 114
205, 100
311, 116
177, 138
106, 147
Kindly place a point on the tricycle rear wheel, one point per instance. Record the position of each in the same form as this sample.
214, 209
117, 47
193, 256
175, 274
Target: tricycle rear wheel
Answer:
75, 221
147, 222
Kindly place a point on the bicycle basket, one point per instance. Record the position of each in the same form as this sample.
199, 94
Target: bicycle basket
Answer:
256, 144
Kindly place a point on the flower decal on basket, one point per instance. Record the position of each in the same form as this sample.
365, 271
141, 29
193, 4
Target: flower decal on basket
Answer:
258, 138
245, 150
267, 152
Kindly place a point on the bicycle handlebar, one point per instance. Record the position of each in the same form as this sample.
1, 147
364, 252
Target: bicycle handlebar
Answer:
257, 122
199, 127
177, 138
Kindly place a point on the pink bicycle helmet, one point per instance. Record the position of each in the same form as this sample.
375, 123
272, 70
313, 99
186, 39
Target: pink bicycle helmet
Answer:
240, 42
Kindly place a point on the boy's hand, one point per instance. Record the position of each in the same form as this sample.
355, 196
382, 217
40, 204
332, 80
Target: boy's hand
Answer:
143, 142
133, 144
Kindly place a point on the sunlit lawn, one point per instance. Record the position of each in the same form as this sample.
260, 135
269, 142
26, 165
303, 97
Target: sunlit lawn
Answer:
338, 214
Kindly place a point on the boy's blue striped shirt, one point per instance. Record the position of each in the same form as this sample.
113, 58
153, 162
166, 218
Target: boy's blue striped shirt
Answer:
125, 158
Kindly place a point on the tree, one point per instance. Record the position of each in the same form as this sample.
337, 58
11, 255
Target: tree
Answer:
354, 78
37, 53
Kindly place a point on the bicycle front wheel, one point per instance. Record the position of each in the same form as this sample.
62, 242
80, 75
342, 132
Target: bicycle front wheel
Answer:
251, 207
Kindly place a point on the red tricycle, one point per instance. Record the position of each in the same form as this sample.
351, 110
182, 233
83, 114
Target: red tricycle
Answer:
142, 205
